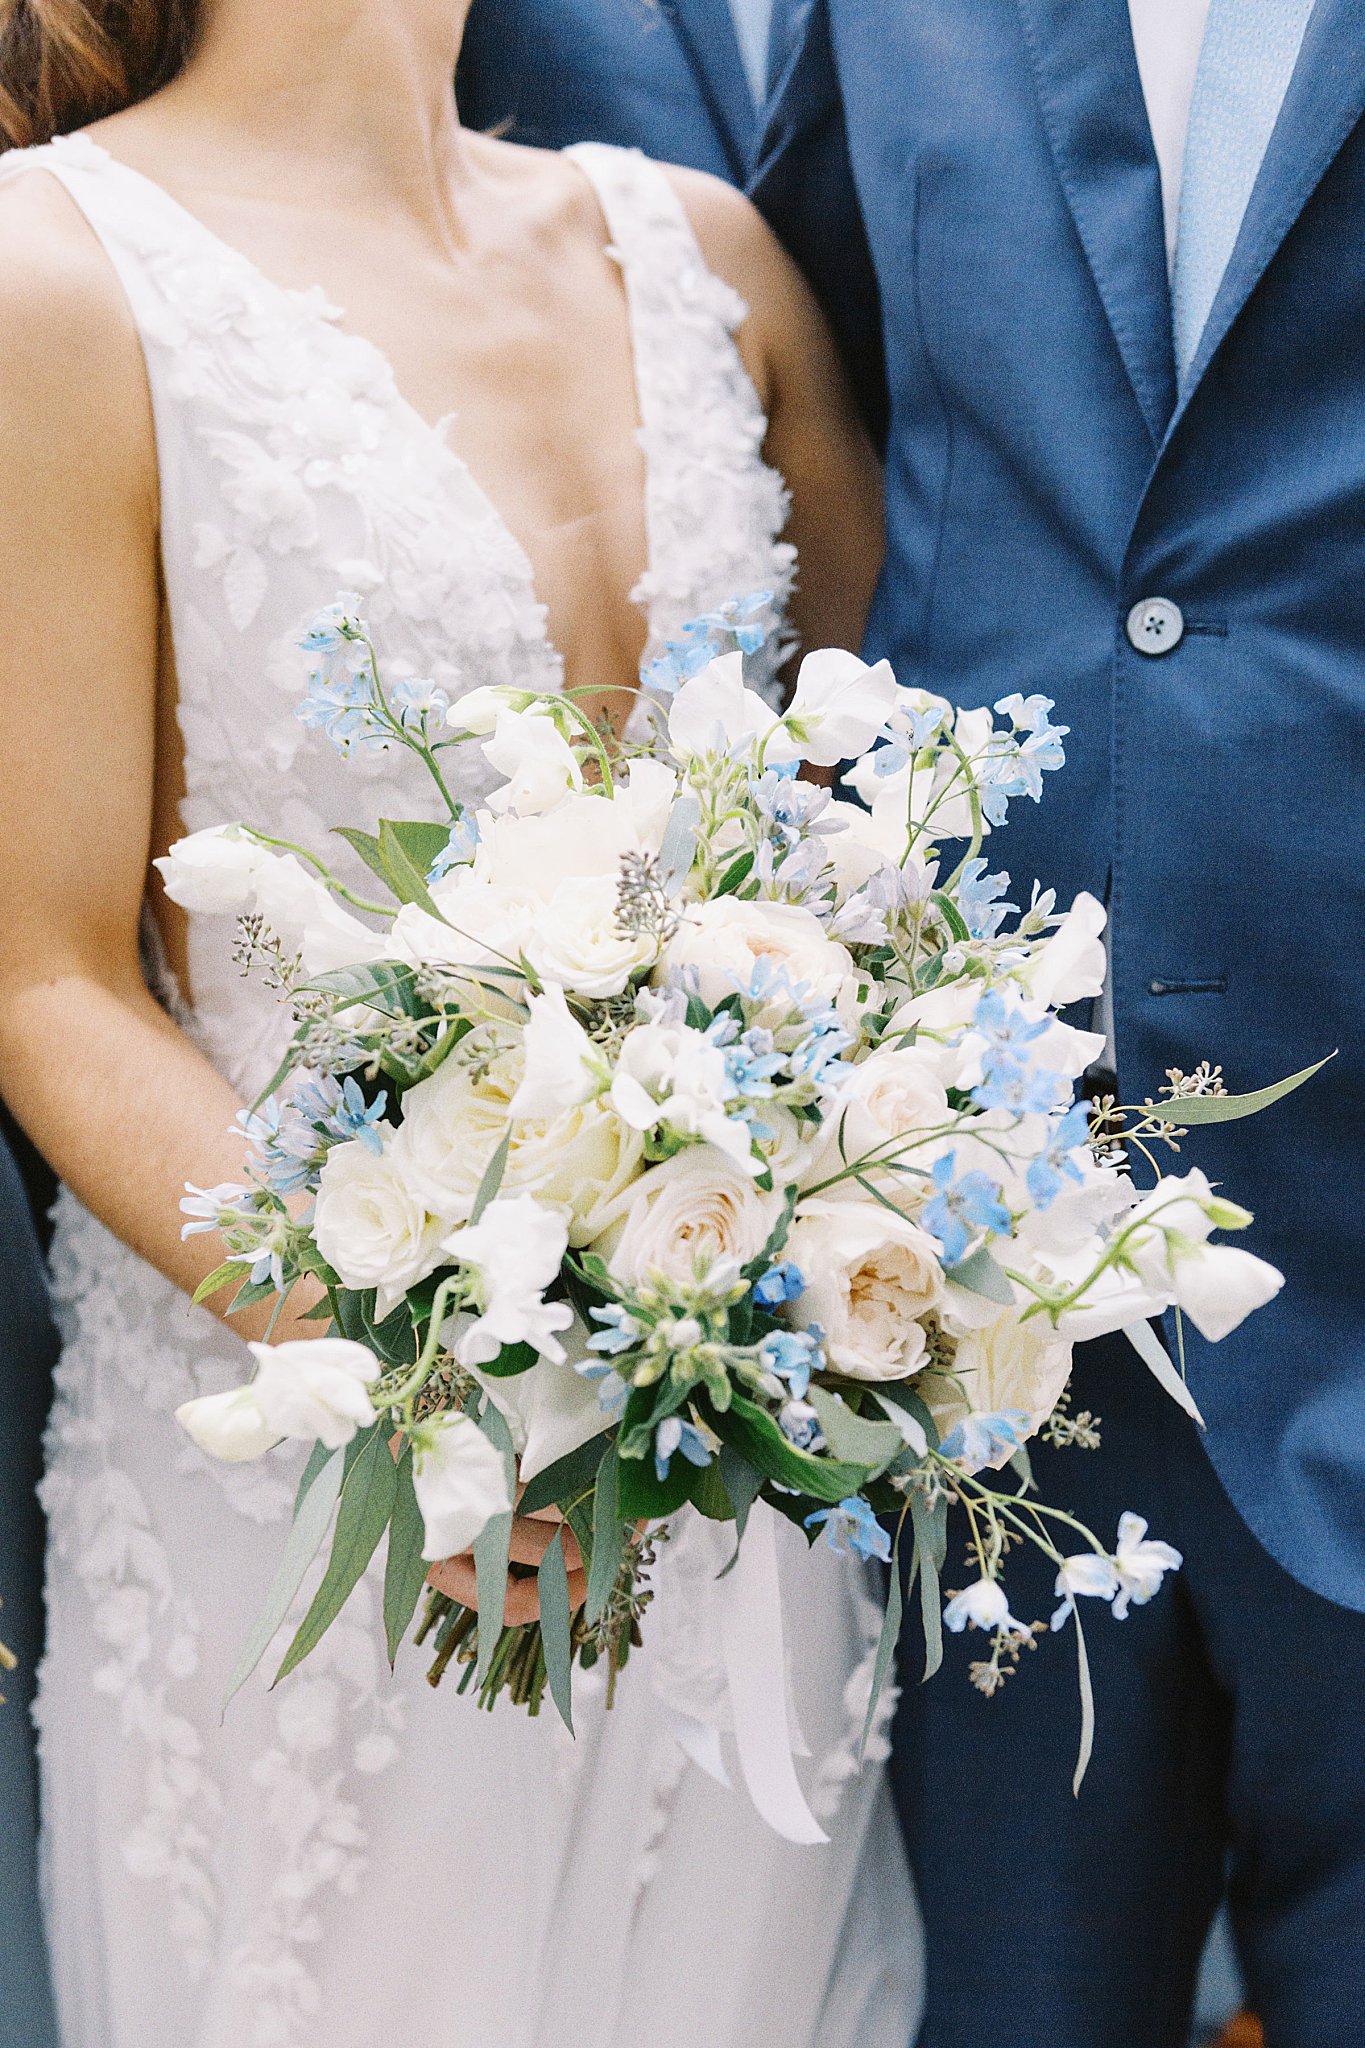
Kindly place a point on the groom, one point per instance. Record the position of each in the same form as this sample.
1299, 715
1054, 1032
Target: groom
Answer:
1102, 266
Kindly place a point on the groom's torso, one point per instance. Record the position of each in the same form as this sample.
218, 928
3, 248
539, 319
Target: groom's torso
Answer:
1043, 481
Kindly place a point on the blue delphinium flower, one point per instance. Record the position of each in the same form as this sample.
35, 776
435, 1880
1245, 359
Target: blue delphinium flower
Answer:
752, 1064
741, 624
780, 1284
342, 707
419, 703
978, 1440
853, 1526
1056, 1163
962, 1207
1005, 1025
977, 894
673, 1435
791, 1356
800, 1425
354, 1118
1023, 1090
459, 849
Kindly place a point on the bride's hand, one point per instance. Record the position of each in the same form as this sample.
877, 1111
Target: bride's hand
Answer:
532, 1536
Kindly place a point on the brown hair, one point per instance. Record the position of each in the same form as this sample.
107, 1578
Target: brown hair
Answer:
66, 62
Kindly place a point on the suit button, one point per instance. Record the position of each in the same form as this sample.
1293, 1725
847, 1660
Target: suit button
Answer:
1155, 625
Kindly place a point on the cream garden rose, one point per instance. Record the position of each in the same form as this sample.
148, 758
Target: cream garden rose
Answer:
870, 1275
683, 1216
723, 941
1006, 1367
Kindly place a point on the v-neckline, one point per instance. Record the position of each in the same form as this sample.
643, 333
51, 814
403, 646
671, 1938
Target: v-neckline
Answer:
312, 304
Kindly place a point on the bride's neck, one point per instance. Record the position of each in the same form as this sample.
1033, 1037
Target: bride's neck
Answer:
360, 89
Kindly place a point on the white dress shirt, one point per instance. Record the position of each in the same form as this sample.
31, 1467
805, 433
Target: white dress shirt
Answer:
753, 24
1168, 36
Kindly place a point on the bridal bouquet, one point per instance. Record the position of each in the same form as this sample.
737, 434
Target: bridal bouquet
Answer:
674, 1135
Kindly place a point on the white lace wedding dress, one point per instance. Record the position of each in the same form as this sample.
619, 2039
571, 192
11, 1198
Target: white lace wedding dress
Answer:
354, 1858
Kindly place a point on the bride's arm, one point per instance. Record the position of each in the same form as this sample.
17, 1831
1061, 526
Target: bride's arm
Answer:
117, 1099
816, 437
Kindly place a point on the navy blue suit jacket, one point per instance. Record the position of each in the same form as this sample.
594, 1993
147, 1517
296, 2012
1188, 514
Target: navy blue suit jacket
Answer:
665, 76
990, 164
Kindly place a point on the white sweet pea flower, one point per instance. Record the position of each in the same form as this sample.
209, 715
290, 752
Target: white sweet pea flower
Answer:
1217, 1286
214, 871
1072, 966
516, 1248
1141, 1564
713, 713
563, 1067
477, 712
840, 705
983, 1605
228, 1426
460, 1481
307, 919
1087, 1576
314, 1388
540, 766
669, 1074
371, 1227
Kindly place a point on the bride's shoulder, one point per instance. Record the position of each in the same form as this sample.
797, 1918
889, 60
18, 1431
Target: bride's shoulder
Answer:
69, 350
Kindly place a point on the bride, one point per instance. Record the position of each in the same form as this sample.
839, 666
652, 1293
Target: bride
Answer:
271, 324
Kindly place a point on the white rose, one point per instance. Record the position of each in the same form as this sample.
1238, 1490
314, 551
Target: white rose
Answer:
1071, 967
541, 768
1009, 1367
683, 1216
870, 1275
577, 1163
854, 854
213, 871
577, 942
722, 942
840, 705
891, 1095
228, 1426
315, 1388
460, 1481
372, 1226
713, 713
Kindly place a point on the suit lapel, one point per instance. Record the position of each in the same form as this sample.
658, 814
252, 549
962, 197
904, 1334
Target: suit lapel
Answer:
1325, 100
1096, 121
706, 31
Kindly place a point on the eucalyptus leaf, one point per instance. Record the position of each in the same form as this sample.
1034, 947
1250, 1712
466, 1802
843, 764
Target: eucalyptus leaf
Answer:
852, 1437
931, 1548
556, 1627
886, 1644
317, 1458
367, 846
566, 1480
979, 1274
1157, 1359
493, 1546
743, 1484
606, 1539
318, 1491
1225, 1109
367, 1496
1087, 1742
492, 1177
679, 847
405, 1568
385, 985
737, 872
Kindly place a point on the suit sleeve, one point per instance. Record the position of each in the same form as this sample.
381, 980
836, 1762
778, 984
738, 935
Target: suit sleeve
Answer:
803, 184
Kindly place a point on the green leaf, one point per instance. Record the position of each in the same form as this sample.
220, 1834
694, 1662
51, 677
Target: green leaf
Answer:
251, 1294
743, 1484
952, 916
900, 1395
606, 1538
317, 1496
754, 1434
493, 1547
510, 1361
679, 847
1225, 1109
644, 1497
214, 1282
421, 840
384, 985
852, 1437
886, 1644
738, 871
407, 880
1021, 1463
405, 1568
367, 1496
492, 1177
367, 846
931, 1548
566, 1480
711, 1496
980, 1275
556, 1627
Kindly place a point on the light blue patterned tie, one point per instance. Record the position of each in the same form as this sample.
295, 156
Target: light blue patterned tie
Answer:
1250, 49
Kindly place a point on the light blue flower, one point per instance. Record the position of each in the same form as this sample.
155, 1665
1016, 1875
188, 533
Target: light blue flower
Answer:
976, 897
674, 1435
621, 1333
853, 1526
1023, 1090
791, 1356
342, 707
800, 1424
207, 1207
459, 849
978, 1440
962, 1207
1005, 1024
780, 1284
1056, 1163
359, 1120
741, 624
419, 703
